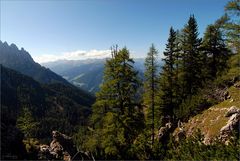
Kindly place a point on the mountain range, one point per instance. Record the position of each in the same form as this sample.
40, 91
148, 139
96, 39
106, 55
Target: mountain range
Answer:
21, 60
87, 74
84, 74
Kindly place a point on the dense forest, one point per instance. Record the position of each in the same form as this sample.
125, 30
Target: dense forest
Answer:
131, 118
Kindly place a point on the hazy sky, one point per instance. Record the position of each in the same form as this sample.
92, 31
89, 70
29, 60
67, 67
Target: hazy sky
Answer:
61, 29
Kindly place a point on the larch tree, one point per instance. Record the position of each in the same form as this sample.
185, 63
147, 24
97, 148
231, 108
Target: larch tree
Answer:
151, 86
26, 123
117, 116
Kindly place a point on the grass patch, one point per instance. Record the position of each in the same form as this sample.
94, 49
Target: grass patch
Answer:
212, 120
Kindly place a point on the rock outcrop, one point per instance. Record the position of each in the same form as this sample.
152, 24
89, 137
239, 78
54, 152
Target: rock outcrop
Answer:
232, 110
62, 148
163, 130
179, 133
219, 94
232, 125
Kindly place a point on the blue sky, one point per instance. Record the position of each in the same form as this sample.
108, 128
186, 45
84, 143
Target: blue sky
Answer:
59, 28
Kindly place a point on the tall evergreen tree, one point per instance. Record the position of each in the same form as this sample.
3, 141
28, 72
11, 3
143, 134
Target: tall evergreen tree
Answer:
177, 66
191, 58
168, 75
151, 85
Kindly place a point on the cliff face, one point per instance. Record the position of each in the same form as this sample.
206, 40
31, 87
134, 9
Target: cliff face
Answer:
21, 61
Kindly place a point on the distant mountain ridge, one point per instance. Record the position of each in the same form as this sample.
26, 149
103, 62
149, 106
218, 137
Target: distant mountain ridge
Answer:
86, 74
21, 60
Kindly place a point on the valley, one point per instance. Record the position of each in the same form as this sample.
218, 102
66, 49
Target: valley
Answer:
168, 88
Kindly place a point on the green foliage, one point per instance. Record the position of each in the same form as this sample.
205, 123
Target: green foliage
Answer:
230, 25
191, 57
151, 86
26, 123
117, 128
142, 146
191, 64
232, 72
169, 75
192, 105
216, 53
32, 146
34, 110
193, 148
117, 118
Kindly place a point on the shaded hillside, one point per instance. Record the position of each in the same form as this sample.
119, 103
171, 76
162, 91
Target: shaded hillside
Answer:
52, 107
86, 74
20, 60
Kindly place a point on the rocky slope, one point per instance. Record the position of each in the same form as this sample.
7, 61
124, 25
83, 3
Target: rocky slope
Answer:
218, 121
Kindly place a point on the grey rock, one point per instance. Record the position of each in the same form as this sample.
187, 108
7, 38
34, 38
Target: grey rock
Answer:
61, 148
232, 125
163, 130
232, 111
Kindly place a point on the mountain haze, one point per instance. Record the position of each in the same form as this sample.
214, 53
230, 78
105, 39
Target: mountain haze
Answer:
87, 74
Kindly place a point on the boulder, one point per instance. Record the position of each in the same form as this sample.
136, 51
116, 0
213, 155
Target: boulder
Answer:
226, 95
163, 130
44, 148
63, 141
168, 125
237, 85
56, 149
61, 148
207, 140
232, 111
232, 125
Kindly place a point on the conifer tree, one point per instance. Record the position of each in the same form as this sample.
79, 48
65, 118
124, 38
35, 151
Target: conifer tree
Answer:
177, 66
215, 51
151, 85
26, 123
168, 75
232, 24
116, 117
191, 58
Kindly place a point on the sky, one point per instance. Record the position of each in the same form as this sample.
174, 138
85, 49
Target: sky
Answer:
79, 29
